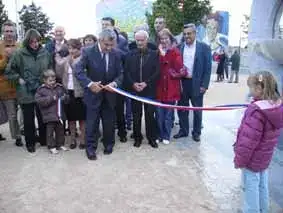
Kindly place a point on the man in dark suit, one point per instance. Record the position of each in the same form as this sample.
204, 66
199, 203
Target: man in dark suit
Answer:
142, 72
197, 59
98, 69
122, 46
122, 43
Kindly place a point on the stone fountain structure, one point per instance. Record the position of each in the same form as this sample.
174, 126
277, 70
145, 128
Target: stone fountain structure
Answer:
265, 44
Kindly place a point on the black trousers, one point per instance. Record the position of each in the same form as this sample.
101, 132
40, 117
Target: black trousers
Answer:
107, 115
150, 122
59, 139
120, 116
29, 112
226, 70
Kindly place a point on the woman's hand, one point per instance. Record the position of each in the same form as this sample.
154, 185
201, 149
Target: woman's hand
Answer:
22, 81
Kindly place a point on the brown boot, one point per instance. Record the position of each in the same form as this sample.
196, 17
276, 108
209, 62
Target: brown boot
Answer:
82, 135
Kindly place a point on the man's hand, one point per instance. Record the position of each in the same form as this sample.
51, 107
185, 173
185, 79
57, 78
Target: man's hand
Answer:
8, 51
137, 87
57, 57
143, 85
96, 87
202, 90
108, 86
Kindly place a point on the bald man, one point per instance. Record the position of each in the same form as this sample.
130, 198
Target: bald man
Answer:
142, 73
58, 46
150, 45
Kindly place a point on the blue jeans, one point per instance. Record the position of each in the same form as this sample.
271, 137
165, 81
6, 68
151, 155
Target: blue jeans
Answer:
197, 101
255, 191
165, 121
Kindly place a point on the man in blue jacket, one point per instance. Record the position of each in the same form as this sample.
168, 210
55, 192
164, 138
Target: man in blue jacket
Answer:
100, 67
197, 61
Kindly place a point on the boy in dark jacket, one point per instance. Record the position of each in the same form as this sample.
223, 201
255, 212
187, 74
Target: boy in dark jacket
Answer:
49, 97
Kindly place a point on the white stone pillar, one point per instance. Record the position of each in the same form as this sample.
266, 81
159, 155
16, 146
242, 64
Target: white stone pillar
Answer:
265, 15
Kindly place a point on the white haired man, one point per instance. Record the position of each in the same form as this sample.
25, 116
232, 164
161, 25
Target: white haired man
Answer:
58, 46
142, 73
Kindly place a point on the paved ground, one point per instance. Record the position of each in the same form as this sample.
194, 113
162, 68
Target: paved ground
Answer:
182, 177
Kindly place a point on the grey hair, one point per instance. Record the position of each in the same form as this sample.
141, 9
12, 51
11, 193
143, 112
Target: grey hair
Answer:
141, 27
107, 34
10, 24
143, 32
190, 25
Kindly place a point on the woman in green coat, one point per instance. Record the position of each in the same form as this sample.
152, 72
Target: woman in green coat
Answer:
25, 69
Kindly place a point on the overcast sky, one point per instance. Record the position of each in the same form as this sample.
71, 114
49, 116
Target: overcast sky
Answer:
80, 19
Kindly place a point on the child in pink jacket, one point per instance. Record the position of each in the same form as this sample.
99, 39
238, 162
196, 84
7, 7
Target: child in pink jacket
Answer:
256, 139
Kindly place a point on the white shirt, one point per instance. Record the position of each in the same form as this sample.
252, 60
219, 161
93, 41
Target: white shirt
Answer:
189, 57
106, 56
70, 85
58, 45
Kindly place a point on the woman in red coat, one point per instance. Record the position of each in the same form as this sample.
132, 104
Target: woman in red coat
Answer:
168, 86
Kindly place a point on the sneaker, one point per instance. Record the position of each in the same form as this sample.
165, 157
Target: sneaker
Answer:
2, 138
82, 146
63, 148
54, 151
73, 145
19, 142
158, 140
166, 142
31, 149
153, 144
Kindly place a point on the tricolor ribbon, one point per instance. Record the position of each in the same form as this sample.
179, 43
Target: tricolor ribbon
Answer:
169, 106
59, 109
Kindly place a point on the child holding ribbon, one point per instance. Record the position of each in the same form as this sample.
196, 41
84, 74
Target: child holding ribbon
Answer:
256, 139
48, 96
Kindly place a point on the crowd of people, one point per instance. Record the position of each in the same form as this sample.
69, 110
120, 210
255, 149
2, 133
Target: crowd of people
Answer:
78, 75
223, 65
70, 82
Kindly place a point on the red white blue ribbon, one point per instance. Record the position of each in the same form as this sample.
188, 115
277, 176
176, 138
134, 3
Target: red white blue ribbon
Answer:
169, 106
59, 109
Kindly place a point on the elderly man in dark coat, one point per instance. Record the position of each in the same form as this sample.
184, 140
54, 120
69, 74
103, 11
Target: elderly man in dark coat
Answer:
142, 72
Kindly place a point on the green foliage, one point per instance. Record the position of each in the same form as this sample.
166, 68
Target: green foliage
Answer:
32, 17
178, 12
3, 14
